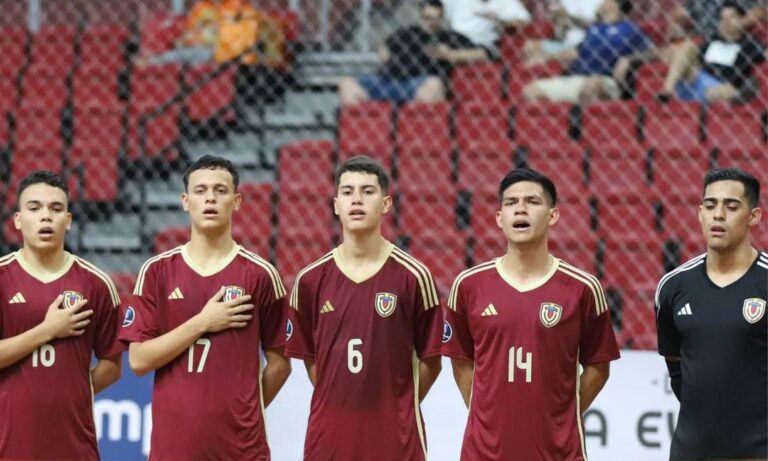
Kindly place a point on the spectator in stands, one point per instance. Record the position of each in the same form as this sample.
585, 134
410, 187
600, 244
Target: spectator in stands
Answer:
483, 21
571, 19
589, 75
703, 16
721, 68
416, 62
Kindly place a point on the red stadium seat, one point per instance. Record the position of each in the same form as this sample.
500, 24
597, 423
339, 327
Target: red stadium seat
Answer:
26, 161
53, 50
366, 128
680, 221
638, 319
481, 168
418, 166
676, 124
565, 165
422, 210
151, 87
650, 80
297, 249
100, 172
213, 98
305, 207
10, 235
38, 129
543, 124
485, 204
170, 237
44, 91
631, 262
512, 43
628, 217
736, 127
298, 158
574, 224
92, 89
483, 126
443, 252
520, 75
13, 49
102, 49
124, 282
477, 82
488, 246
610, 122
761, 74
617, 169
576, 250
9, 103
678, 174
252, 226
159, 32
425, 126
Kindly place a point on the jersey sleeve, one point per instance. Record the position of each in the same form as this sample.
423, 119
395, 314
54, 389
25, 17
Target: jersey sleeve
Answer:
107, 304
272, 315
598, 341
457, 336
429, 319
300, 326
667, 335
140, 314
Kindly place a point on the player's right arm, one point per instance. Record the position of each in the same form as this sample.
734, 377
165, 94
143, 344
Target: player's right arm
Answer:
464, 373
58, 323
216, 316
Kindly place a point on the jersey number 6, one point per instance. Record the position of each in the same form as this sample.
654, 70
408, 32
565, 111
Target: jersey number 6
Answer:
354, 356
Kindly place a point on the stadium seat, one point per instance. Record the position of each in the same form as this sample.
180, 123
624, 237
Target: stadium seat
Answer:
676, 124
482, 219
655, 29
512, 43
677, 174
307, 208
618, 169
610, 123
41, 90
761, 74
9, 102
628, 217
102, 49
11, 236
425, 165
483, 126
95, 89
733, 127
565, 165
543, 124
575, 222
576, 250
481, 168
38, 129
297, 249
170, 237
252, 226
680, 220
26, 161
520, 75
488, 245
159, 32
637, 316
422, 210
214, 98
124, 282
366, 128
100, 173
477, 82
424, 126
96, 148
296, 159
443, 251
151, 87
631, 262
53, 50
650, 80
13, 49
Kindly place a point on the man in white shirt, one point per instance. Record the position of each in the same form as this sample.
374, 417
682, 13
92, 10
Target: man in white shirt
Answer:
483, 21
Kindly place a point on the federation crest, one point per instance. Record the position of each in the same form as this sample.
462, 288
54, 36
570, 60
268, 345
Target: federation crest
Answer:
753, 310
447, 331
550, 314
385, 304
233, 292
288, 330
130, 316
71, 298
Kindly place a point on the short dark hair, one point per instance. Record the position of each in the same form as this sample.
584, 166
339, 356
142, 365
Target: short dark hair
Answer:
625, 6
735, 5
364, 164
212, 162
42, 177
751, 184
528, 174
433, 3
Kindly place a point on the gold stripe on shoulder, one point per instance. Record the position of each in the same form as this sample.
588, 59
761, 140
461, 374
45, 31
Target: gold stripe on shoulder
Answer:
103, 276
463, 275
294, 301
277, 283
423, 277
9, 258
601, 305
430, 281
143, 271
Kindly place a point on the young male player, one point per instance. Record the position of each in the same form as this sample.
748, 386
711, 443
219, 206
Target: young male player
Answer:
210, 388
519, 328
55, 310
712, 329
366, 322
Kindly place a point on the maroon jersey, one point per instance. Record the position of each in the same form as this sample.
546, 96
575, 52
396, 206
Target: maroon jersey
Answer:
46, 400
366, 338
526, 344
206, 403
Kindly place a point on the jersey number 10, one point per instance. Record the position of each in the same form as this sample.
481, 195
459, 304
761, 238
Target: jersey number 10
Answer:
520, 360
45, 356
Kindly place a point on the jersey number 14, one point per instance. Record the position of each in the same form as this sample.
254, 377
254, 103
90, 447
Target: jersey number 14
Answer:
520, 360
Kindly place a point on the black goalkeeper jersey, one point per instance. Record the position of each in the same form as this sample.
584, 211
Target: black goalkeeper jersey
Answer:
721, 335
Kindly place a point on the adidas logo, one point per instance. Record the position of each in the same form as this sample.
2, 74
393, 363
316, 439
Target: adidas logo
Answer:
327, 307
490, 310
685, 310
176, 294
18, 298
